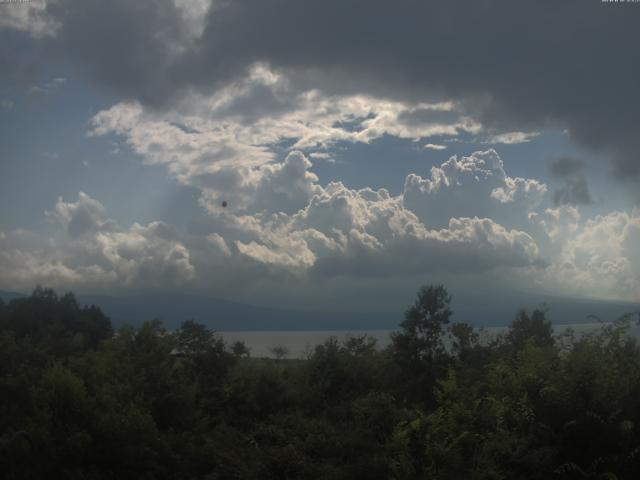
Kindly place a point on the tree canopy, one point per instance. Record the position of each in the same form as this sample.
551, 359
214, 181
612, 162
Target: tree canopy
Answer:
80, 400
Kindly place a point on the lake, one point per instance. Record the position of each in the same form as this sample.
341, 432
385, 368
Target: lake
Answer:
299, 343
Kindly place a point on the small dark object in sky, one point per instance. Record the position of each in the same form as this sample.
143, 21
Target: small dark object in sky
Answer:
224, 204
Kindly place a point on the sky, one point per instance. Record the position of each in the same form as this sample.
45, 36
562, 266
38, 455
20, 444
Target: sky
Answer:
362, 148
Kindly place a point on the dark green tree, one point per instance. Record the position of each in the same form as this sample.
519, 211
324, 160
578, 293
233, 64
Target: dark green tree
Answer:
532, 328
240, 349
419, 348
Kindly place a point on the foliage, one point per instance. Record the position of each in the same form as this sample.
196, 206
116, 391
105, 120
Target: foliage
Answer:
419, 348
78, 400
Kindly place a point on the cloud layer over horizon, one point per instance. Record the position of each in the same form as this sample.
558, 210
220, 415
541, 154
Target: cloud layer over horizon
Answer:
333, 231
244, 102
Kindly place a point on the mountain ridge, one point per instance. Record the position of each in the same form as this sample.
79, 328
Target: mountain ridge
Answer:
227, 315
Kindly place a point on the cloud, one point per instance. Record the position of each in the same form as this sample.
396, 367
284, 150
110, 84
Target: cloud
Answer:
511, 138
366, 232
601, 259
224, 144
435, 146
326, 233
476, 185
28, 17
238, 99
84, 216
94, 254
149, 256
46, 88
491, 57
294, 228
575, 190
566, 167
322, 156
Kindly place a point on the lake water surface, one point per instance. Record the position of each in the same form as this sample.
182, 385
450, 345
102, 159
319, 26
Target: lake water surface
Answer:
299, 343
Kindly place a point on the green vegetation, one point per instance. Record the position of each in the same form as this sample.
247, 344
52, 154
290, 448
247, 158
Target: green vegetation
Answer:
79, 401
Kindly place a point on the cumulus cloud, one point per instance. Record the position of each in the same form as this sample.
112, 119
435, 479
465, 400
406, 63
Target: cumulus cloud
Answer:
277, 214
476, 185
318, 233
601, 259
287, 218
301, 230
351, 232
94, 253
148, 255
87, 215
224, 144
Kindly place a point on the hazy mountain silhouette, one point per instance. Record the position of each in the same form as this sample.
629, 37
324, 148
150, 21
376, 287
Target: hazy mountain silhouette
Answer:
8, 296
224, 315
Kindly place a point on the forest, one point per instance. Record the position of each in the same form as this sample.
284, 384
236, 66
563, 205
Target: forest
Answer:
82, 400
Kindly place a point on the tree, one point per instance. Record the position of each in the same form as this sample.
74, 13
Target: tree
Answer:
279, 351
240, 349
195, 338
360, 345
421, 337
418, 347
463, 337
534, 328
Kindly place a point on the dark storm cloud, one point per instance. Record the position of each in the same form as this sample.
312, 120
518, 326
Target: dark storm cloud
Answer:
575, 190
126, 46
566, 167
514, 64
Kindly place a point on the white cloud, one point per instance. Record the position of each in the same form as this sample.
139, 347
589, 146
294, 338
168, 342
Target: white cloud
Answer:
338, 232
291, 225
435, 146
93, 253
220, 243
342, 230
29, 17
84, 216
476, 185
511, 138
148, 255
272, 187
322, 156
281, 224
601, 259
228, 138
